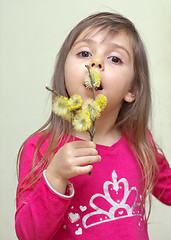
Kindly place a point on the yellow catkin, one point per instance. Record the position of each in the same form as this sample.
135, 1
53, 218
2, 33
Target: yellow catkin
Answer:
93, 108
81, 121
75, 102
95, 79
101, 101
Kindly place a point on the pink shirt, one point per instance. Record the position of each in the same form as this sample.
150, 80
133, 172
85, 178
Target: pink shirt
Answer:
103, 206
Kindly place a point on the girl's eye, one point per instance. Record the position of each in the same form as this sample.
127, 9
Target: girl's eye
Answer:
84, 54
115, 59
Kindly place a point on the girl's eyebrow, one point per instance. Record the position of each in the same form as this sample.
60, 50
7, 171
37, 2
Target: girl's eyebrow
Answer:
115, 46
110, 46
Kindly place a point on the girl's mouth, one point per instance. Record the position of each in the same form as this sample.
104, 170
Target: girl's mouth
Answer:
99, 88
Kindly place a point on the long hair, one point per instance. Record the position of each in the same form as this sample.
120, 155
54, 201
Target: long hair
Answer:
133, 117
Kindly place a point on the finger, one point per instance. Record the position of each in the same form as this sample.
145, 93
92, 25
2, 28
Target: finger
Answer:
83, 170
84, 144
82, 161
85, 152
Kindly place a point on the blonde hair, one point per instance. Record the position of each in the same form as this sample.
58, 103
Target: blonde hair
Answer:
133, 117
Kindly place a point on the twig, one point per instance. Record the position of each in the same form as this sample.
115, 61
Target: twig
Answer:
94, 96
51, 90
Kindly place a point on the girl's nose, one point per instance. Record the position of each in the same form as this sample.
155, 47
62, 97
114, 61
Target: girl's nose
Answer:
97, 62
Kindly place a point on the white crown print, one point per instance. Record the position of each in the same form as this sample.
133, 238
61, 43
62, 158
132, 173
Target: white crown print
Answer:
117, 202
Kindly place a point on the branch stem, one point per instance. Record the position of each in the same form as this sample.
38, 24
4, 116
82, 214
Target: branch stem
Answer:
94, 96
51, 90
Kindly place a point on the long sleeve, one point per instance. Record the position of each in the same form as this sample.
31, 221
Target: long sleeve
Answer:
40, 211
162, 189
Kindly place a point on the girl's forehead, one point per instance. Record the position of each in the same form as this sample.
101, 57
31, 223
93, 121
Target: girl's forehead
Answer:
105, 34
91, 32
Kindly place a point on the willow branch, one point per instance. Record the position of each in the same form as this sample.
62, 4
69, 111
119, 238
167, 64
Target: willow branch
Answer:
51, 90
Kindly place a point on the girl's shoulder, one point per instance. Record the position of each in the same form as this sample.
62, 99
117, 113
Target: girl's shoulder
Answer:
35, 140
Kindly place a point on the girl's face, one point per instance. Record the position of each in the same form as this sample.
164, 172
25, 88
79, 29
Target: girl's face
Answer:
111, 56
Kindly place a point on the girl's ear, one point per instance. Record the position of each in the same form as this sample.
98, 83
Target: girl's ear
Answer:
130, 96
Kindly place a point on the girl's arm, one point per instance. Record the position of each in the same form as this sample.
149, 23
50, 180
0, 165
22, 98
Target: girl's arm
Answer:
162, 189
40, 211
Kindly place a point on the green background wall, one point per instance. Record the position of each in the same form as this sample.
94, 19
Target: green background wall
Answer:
31, 33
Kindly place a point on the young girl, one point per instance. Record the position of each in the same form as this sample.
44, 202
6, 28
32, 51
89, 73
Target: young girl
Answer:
56, 198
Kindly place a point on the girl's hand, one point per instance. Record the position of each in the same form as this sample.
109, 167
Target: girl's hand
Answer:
74, 158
